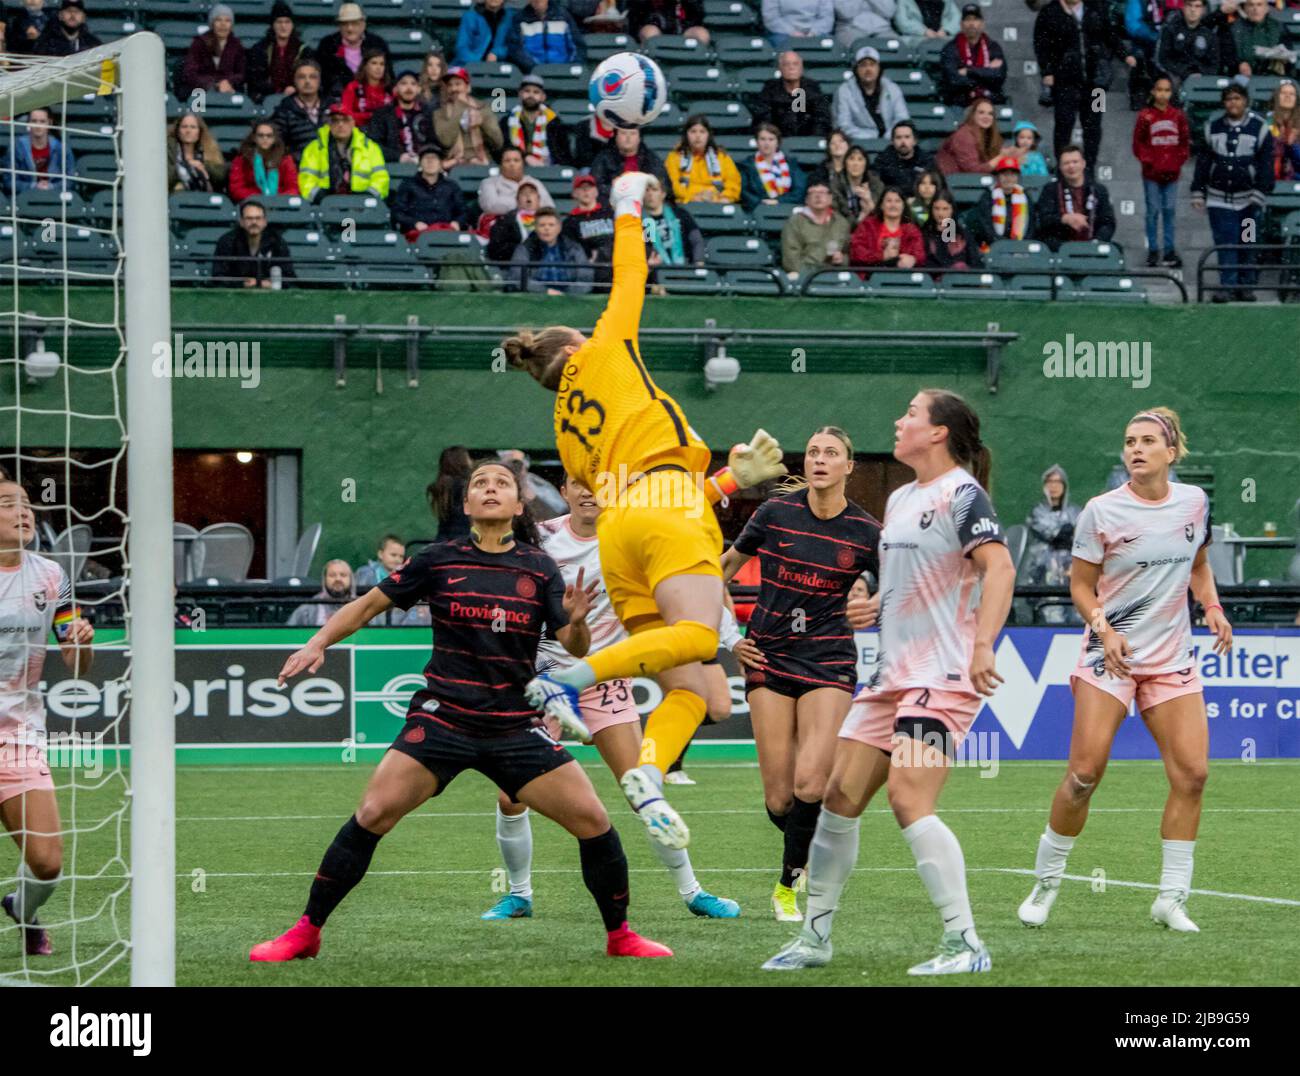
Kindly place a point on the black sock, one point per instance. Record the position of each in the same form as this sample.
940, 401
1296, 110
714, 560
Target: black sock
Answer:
800, 825
604, 870
778, 820
346, 861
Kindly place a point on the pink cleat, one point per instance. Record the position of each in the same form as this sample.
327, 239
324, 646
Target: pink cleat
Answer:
36, 939
626, 942
300, 942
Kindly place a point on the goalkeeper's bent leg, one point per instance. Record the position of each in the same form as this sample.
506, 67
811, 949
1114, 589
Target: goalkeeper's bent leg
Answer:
669, 729
654, 650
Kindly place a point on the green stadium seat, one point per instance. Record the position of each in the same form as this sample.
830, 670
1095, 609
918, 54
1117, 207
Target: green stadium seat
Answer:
695, 81
1088, 257
177, 34
739, 251
1034, 184
59, 205
364, 210
268, 105
447, 12
555, 177
729, 15
1019, 256
717, 218
968, 187
393, 274
572, 111
290, 211
80, 244
218, 108
186, 10
894, 51
690, 281
405, 42
1037, 286
749, 80
103, 205
602, 46
661, 142
399, 171
97, 170
916, 85
486, 77
737, 50
819, 50
395, 11
902, 283
938, 121
563, 79
89, 111
331, 274
677, 48
754, 282
722, 115
984, 286
435, 244
808, 150
739, 144
1110, 289
837, 285
1203, 90
202, 240
377, 244
769, 220
669, 119
828, 77
1290, 229
1284, 198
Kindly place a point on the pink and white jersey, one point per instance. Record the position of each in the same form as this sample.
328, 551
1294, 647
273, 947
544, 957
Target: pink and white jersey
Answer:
928, 583
572, 552
1145, 549
30, 594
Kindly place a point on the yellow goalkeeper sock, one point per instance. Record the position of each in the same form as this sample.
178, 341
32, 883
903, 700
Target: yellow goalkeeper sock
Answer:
654, 650
670, 728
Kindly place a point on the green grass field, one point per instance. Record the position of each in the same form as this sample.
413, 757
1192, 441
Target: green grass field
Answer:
249, 840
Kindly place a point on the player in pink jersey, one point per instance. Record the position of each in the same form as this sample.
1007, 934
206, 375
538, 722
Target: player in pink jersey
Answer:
35, 598
1137, 550
607, 709
946, 581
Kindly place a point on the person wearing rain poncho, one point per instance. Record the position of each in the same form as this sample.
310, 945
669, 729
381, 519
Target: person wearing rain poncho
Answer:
1051, 535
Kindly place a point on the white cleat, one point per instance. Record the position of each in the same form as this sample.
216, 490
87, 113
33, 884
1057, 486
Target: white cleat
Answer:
1035, 907
803, 952
558, 701
647, 799
627, 193
678, 777
1171, 912
956, 956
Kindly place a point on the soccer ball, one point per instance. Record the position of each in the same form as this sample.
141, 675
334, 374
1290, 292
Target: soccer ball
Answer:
628, 90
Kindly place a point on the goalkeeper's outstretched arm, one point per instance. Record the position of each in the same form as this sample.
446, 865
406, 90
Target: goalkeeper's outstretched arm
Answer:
747, 465
622, 318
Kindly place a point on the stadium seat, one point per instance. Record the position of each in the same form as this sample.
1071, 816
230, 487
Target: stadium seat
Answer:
661, 142
677, 48
808, 150
982, 286
289, 210
60, 205
690, 281
602, 46
839, 285
558, 177
738, 143
435, 244
394, 274
80, 244
1088, 256
111, 27
722, 115
916, 85
397, 11
699, 81
829, 76
332, 274
177, 34
894, 51
901, 283
103, 205
563, 78
819, 50
363, 210
405, 42
202, 241
1203, 90
1110, 289
97, 171
669, 119
90, 110
1285, 196
729, 15
754, 282
199, 207
218, 108
744, 50
1019, 256
573, 112
937, 121
739, 251
968, 187
1034, 184
749, 80
719, 218
485, 77
1039, 286
769, 220
377, 245
447, 12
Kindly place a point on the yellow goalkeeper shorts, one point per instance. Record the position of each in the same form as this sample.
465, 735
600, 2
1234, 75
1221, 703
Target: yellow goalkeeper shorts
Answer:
659, 527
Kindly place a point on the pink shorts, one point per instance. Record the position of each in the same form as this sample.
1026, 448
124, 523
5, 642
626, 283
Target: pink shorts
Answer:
873, 714
1148, 690
602, 705
23, 769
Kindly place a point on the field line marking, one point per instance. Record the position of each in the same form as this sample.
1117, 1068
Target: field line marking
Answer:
1146, 885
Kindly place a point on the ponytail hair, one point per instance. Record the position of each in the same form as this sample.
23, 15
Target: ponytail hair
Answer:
795, 482
1170, 425
540, 353
523, 526
964, 444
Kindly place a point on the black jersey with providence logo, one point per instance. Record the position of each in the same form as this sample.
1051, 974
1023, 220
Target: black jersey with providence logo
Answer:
808, 565
488, 610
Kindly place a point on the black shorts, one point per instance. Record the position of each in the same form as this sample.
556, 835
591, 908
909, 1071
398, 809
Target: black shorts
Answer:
509, 761
795, 677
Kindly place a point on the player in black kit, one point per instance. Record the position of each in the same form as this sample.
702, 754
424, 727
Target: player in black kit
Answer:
489, 596
799, 655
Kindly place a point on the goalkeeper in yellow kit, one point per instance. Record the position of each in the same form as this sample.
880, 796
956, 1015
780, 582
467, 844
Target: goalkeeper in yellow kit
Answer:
628, 441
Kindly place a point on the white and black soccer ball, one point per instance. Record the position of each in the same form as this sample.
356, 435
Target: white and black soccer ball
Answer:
628, 90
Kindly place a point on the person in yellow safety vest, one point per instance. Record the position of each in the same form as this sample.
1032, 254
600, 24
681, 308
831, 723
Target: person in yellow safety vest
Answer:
342, 160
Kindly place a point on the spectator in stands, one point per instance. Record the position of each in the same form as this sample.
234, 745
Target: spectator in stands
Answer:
1188, 44
482, 34
1284, 126
262, 167
786, 21
868, 105
795, 105
22, 32
1072, 207
1257, 38
837, 148
429, 199
337, 589
886, 239
401, 128
435, 66
1137, 31
1051, 524
38, 160
1004, 210
928, 186
446, 493
948, 243
388, 556
466, 129
512, 229
674, 237
700, 169
591, 224
194, 160
249, 251
271, 62
496, 193
535, 128
564, 269
544, 34
68, 34
1025, 137
599, 16
626, 153
215, 61
341, 53
300, 117
863, 18
1162, 143
815, 235
541, 497
1234, 174
371, 90
1074, 50
976, 144
918, 20
650, 18
972, 64
342, 160
902, 162
855, 192
768, 177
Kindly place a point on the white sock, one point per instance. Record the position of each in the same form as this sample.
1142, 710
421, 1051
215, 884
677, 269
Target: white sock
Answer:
942, 868
1049, 865
1176, 872
515, 839
679, 866
33, 892
831, 859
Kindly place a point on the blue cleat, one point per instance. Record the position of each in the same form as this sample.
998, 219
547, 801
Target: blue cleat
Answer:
510, 907
707, 906
559, 701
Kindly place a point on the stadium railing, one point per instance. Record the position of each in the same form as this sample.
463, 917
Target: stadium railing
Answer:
1283, 270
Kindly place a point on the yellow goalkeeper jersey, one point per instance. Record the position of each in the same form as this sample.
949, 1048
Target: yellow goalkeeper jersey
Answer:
611, 419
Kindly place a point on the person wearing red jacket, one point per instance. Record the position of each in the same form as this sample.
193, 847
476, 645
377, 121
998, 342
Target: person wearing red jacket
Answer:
263, 167
371, 90
886, 238
1162, 142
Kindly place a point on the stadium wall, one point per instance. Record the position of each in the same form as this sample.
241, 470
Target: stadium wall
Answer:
1234, 374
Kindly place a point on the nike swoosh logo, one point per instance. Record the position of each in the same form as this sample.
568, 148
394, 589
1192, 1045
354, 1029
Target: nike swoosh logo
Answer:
784, 545
1134, 538
619, 896
458, 579
1188, 680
